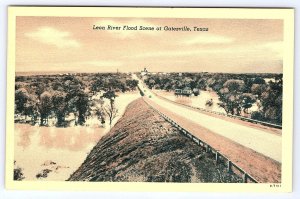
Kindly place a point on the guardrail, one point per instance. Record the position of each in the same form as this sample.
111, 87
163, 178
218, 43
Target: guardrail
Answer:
223, 114
219, 157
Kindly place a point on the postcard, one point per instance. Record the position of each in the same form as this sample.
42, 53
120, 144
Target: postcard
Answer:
150, 99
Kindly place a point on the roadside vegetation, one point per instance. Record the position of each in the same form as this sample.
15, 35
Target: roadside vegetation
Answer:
237, 92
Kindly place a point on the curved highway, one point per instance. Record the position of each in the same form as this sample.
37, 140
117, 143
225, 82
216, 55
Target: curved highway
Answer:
258, 140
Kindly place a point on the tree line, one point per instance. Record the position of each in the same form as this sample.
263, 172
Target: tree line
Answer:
237, 92
44, 96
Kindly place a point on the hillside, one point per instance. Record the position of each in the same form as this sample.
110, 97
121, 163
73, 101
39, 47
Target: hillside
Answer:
142, 146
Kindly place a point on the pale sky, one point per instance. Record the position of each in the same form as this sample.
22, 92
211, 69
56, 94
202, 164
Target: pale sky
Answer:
57, 44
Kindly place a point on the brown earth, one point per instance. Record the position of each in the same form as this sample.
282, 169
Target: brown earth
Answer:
262, 168
144, 147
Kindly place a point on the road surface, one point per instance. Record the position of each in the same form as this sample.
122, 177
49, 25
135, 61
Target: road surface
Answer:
268, 144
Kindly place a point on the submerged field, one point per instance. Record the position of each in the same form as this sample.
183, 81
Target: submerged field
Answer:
196, 101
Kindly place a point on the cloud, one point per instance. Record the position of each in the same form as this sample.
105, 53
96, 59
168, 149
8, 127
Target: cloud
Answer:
208, 39
102, 63
126, 33
75, 66
52, 36
178, 53
276, 47
269, 50
164, 54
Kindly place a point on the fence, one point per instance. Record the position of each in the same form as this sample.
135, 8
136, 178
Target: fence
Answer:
223, 114
219, 158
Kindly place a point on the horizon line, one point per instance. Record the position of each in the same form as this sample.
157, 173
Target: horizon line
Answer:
59, 72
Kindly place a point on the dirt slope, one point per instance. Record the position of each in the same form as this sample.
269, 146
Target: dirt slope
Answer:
142, 146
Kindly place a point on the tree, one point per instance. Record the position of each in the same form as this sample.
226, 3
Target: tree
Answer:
257, 115
77, 99
21, 97
31, 107
248, 100
26, 104
59, 106
100, 112
231, 96
78, 105
234, 86
45, 107
231, 103
110, 110
132, 84
271, 100
97, 85
40, 89
109, 94
259, 80
202, 84
82, 106
258, 89
72, 107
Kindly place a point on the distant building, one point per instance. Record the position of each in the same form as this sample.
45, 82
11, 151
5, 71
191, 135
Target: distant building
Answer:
185, 92
144, 72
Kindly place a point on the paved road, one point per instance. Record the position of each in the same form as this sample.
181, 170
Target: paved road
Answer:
263, 142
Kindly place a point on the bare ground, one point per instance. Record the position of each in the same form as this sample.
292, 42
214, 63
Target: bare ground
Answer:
143, 147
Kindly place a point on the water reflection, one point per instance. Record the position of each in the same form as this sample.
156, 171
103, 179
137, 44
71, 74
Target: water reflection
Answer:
25, 132
66, 147
71, 138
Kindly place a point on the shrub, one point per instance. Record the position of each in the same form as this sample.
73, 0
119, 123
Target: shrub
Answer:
18, 173
256, 115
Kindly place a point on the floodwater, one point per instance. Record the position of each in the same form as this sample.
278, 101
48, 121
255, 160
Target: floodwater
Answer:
196, 101
200, 101
55, 153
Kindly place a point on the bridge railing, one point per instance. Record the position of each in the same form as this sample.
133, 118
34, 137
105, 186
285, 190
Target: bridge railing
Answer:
219, 157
